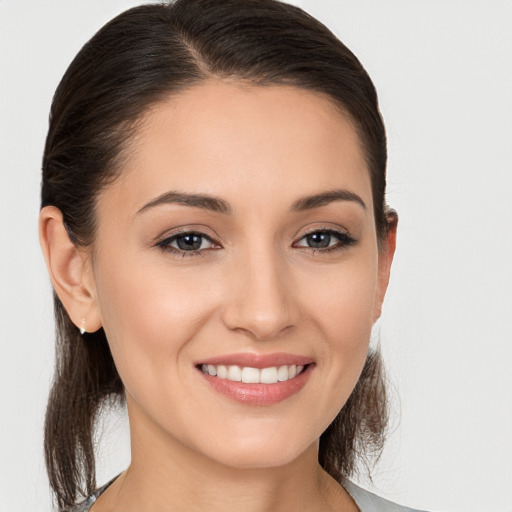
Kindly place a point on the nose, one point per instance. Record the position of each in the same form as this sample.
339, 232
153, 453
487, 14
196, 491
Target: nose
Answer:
261, 302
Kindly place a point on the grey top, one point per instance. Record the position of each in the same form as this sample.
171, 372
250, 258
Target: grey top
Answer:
365, 500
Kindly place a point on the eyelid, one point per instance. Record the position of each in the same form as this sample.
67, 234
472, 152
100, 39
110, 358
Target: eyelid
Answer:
187, 230
327, 229
341, 231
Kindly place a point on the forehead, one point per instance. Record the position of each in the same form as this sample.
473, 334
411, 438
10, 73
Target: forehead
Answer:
243, 141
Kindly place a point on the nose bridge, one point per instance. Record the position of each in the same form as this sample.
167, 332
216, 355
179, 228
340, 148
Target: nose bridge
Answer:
260, 300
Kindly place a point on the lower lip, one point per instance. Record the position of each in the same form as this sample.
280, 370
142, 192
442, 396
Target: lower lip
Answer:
259, 394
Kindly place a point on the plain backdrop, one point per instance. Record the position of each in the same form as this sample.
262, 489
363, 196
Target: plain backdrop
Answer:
443, 70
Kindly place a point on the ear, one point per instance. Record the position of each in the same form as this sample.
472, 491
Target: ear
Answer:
386, 253
70, 270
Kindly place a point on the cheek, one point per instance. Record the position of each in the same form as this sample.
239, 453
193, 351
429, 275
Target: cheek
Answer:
149, 316
343, 311
344, 304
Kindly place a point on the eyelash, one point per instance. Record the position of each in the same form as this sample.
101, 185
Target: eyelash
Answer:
345, 240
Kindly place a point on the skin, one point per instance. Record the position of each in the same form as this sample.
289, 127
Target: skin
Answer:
258, 288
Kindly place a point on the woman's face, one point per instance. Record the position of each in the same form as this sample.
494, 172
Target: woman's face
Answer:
240, 235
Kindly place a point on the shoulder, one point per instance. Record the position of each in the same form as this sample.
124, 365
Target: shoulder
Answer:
86, 505
369, 502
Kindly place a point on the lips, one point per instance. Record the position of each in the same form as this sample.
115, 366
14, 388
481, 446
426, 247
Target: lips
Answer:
257, 379
258, 360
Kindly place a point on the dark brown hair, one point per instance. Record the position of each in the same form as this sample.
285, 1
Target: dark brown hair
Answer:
139, 58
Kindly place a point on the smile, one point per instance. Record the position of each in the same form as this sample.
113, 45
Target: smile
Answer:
256, 379
249, 375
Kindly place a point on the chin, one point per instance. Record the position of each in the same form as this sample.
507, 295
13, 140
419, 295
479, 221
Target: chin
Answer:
259, 451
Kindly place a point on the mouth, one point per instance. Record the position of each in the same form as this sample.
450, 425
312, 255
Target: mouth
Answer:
257, 379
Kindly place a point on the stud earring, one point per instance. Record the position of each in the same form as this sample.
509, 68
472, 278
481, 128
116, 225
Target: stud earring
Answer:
82, 328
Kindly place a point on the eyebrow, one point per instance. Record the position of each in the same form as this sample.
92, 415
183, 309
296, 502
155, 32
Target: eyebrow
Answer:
323, 198
207, 202
216, 204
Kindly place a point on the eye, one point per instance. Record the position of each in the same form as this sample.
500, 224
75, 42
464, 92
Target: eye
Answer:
326, 240
187, 243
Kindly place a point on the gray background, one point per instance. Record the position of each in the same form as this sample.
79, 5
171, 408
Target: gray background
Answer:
444, 75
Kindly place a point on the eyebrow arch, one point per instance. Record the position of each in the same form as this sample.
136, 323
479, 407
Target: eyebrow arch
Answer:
207, 202
323, 198
216, 204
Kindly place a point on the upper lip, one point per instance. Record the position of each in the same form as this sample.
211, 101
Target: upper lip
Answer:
258, 360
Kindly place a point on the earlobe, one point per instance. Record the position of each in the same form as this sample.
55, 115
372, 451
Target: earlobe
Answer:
386, 253
69, 270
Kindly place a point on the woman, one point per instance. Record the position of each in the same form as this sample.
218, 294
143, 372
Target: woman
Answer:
214, 224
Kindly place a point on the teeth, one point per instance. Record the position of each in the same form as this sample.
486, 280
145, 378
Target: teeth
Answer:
250, 375
269, 375
234, 373
283, 373
222, 371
